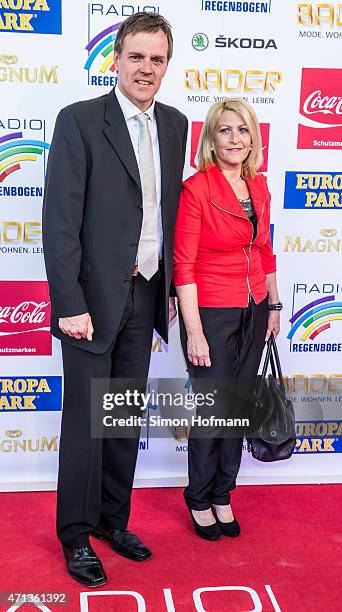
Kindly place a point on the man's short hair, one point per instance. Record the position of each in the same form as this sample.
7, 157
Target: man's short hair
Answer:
143, 22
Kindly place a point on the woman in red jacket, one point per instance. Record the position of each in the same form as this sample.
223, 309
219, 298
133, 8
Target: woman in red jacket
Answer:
225, 278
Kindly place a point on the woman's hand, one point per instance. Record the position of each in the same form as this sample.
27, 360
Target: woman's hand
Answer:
198, 349
273, 326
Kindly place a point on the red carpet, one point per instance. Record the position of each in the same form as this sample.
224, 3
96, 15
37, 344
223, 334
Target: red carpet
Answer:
291, 540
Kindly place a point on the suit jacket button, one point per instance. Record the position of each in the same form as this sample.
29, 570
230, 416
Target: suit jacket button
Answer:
127, 282
140, 206
134, 244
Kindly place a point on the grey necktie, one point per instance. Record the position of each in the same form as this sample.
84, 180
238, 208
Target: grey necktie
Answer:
148, 243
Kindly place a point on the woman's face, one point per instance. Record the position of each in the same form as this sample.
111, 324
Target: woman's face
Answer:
232, 140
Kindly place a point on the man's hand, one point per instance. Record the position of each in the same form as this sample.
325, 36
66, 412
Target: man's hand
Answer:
77, 327
172, 309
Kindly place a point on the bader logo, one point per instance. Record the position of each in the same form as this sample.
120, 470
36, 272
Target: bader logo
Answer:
320, 122
21, 237
101, 38
314, 317
313, 190
317, 15
27, 394
196, 129
15, 149
230, 82
31, 16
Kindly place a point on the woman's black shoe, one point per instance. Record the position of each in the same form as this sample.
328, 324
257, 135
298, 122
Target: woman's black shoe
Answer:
231, 529
208, 532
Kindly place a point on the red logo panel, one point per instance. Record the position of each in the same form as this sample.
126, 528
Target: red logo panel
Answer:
25, 318
196, 130
320, 123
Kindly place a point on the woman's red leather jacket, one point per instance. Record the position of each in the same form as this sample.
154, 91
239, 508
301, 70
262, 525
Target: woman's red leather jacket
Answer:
213, 241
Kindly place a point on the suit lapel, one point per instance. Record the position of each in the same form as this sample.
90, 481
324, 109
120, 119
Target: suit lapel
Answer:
165, 137
118, 135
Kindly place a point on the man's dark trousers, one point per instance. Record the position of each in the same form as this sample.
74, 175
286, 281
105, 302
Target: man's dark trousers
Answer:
96, 475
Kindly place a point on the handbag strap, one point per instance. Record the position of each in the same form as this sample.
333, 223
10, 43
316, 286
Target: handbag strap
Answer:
275, 356
271, 358
264, 371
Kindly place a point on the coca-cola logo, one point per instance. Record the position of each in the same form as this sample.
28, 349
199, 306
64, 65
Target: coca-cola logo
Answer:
320, 109
25, 312
25, 318
316, 103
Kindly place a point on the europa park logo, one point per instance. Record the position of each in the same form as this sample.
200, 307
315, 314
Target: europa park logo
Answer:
31, 16
320, 122
25, 318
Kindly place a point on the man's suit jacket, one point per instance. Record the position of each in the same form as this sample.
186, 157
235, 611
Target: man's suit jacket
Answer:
92, 214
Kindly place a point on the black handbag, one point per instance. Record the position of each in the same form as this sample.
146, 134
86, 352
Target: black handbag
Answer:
272, 435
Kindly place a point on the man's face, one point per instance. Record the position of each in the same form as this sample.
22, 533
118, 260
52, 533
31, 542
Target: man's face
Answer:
141, 66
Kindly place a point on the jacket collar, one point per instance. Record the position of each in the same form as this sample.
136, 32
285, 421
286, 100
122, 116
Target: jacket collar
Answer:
222, 194
118, 135
165, 137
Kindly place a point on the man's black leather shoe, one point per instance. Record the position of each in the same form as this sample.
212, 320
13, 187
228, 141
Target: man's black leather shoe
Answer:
123, 542
84, 565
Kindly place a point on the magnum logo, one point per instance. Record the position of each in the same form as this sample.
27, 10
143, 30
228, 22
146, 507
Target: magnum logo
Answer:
13, 444
10, 72
328, 243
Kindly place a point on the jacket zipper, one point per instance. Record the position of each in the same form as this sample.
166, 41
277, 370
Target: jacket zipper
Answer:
243, 248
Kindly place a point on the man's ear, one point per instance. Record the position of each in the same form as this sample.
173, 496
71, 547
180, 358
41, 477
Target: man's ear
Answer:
115, 58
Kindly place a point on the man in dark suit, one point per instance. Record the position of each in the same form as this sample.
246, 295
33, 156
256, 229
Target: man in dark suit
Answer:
113, 180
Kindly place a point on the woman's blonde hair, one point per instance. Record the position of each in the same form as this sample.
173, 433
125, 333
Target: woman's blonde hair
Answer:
206, 153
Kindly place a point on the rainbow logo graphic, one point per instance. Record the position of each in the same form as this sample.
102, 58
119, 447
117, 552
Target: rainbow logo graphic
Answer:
14, 150
316, 317
102, 45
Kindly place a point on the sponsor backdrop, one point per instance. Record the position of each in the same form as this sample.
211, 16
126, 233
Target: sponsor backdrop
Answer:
283, 58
